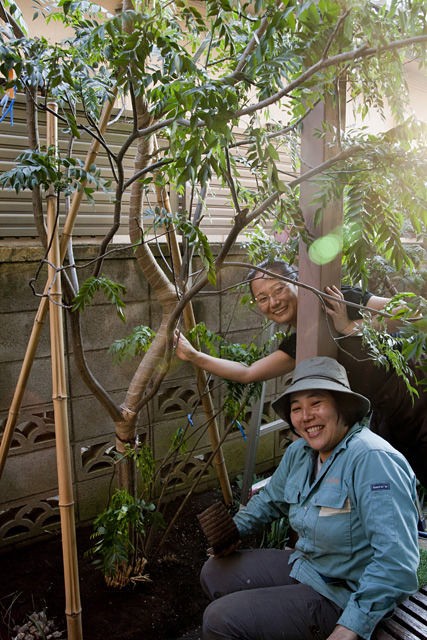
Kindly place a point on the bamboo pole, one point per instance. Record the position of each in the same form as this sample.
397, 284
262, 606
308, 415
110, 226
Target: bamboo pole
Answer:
213, 431
43, 306
202, 380
59, 397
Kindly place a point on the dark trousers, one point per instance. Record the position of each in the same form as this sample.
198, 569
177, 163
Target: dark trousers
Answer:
254, 598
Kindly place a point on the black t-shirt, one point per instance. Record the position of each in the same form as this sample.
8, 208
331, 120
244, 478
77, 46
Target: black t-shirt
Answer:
351, 294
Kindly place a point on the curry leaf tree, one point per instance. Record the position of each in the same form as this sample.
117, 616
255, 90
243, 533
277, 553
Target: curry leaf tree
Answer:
192, 75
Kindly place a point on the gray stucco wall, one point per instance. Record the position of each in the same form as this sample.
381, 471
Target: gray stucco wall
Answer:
28, 487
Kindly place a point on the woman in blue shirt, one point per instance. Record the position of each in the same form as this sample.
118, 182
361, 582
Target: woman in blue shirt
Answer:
350, 497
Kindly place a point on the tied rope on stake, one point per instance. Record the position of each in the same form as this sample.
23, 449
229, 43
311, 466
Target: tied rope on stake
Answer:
8, 100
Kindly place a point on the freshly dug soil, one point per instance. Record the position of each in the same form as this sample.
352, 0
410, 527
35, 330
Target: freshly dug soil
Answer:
167, 608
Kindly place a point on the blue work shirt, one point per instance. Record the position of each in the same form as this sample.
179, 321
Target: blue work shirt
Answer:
356, 523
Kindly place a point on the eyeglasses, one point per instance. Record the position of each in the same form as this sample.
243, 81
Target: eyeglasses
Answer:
264, 300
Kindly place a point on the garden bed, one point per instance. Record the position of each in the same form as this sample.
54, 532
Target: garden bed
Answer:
166, 608
169, 607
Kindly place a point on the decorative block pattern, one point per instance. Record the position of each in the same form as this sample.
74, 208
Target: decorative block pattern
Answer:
180, 474
95, 458
35, 517
35, 429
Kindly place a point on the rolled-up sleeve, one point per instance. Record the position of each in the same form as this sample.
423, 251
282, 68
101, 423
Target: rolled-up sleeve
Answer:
266, 506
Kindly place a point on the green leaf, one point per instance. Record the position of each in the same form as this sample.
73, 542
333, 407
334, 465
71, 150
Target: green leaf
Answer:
135, 344
113, 292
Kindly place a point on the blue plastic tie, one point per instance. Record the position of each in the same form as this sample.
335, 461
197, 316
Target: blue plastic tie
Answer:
241, 429
190, 419
7, 108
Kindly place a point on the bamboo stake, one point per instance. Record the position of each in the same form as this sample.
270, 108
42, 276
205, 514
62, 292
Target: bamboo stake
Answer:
202, 380
213, 431
59, 397
43, 306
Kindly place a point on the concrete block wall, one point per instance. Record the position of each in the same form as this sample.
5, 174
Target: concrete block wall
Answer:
29, 487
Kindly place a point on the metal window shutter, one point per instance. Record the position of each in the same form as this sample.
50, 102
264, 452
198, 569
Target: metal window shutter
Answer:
94, 219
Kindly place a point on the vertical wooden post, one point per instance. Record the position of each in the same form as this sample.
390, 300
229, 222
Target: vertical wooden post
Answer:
313, 337
59, 397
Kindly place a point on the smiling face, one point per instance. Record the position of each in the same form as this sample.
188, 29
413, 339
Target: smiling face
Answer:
315, 417
276, 299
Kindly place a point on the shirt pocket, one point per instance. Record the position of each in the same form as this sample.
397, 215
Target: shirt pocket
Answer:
334, 520
292, 496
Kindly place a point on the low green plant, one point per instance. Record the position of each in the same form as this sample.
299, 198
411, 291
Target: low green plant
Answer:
142, 455
275, 535
119, 531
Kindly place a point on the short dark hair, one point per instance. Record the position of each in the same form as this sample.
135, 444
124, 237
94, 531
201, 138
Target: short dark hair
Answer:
280, 267
349, 408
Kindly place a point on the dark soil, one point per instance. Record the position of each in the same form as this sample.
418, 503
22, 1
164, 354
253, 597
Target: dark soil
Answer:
167, 608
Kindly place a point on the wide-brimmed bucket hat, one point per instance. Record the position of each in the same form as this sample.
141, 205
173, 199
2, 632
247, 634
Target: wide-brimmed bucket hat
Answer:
323, 373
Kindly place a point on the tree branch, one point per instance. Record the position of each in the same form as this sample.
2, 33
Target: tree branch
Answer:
250, 47
87, 376
361, 52
8, 18
339, 157
341, 19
